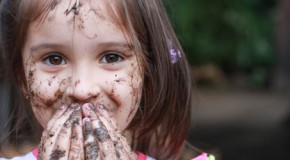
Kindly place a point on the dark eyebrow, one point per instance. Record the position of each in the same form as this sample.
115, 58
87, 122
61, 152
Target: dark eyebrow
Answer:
125, 46
101, 45
44, 46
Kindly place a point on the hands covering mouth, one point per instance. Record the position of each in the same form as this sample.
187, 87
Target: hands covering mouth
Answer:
86, 132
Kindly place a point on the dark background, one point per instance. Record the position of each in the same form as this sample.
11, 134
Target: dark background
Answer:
239, 54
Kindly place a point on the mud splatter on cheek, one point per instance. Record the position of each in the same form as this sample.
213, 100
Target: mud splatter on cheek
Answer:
120, 81
77, 82
135, 84
112, 93
38, 93
134, 80
30, 78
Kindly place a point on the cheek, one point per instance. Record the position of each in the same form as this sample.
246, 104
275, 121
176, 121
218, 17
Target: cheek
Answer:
45, 90
43, 115
131, 81
45, 93
127, 91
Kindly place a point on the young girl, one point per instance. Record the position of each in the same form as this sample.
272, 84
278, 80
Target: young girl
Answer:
100, 79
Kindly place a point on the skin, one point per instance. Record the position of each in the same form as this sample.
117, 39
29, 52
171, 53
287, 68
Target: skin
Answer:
75, 124
84, 82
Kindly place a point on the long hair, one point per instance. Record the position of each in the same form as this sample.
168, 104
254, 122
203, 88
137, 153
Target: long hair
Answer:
17, 121
161, 124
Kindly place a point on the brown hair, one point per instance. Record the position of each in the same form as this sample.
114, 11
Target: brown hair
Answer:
161, 124
17, 122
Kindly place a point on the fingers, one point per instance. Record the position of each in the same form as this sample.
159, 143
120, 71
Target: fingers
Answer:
84, 133
77, 147
60, 149
106, 145
110, 141
123, 150
105, 117
90, 143
49, 139
59, 112
106, 121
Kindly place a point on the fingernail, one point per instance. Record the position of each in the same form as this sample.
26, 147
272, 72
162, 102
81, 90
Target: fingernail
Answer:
62, 107
78, 111
101, 106
85, 110
74, 106
88, 105
103, 111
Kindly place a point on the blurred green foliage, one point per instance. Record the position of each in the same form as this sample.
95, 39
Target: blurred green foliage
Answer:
237, 35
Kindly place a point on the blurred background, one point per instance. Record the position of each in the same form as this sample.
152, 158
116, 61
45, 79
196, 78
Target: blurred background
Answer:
240, 63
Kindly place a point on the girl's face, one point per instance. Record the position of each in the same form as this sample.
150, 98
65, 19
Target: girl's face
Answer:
79, 55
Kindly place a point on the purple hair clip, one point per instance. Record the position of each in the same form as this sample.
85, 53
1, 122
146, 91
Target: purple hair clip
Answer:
175, 54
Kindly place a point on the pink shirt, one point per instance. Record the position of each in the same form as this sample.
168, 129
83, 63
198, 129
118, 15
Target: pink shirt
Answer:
140, 156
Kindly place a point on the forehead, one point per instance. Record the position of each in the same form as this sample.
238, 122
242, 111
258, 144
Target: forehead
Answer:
73, 11
85, 16
116, 12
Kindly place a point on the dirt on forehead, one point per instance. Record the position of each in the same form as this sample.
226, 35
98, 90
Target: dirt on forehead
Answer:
76, 8
115, 11
79, 14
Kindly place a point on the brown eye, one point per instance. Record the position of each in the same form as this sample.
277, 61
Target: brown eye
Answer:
54, 60
111, 58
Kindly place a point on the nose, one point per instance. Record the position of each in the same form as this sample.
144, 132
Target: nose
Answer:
83, 89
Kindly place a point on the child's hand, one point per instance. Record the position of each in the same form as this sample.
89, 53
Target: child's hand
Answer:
100, 127
86, 132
